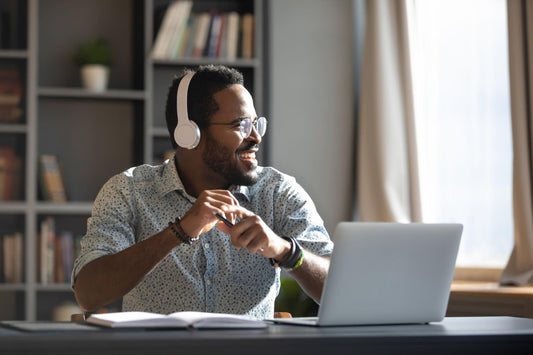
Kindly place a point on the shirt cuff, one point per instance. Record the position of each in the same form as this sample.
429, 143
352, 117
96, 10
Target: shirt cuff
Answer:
84, 260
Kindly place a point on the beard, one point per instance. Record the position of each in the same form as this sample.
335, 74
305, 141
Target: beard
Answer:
224, 162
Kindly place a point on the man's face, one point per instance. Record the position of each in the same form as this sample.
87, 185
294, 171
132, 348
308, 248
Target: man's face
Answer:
226, 152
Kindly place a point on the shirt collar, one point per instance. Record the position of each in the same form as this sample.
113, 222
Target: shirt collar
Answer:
170, 181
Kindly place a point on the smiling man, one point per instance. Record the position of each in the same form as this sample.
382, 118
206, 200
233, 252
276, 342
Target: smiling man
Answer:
208, 230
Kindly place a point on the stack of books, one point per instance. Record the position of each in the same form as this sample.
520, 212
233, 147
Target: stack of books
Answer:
57, 253
10, 96
10, 174
183, 34
51, 179
11, 258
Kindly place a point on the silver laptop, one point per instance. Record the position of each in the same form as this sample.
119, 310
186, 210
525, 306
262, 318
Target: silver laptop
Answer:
387, 273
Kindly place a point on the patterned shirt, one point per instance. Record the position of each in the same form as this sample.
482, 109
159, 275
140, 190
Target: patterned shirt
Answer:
209, 275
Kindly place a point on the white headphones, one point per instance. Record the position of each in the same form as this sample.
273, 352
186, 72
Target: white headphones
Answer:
187, 133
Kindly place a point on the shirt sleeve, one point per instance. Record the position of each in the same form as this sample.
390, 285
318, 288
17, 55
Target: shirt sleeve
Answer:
298, 217
110, 228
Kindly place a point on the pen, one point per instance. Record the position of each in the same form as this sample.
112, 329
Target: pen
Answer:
229, 224
226, 222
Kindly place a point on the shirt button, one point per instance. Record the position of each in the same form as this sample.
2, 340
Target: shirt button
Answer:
208, 282
206, 245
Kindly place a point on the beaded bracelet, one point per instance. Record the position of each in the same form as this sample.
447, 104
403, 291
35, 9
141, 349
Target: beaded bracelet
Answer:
295, 258
180, 233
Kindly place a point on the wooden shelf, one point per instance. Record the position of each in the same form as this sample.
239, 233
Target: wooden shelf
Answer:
161, 132
490, 299
13, 207
13, 128
54, 287
13, 54
12, 287
80, 93
240, 63
64, 208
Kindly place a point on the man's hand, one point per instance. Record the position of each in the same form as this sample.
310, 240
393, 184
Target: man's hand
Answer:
201, 217
250, 233
254, 235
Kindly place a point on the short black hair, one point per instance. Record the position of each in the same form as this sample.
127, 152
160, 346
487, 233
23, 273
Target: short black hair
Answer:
207, 81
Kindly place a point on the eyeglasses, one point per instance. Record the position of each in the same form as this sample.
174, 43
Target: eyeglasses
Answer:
245, 126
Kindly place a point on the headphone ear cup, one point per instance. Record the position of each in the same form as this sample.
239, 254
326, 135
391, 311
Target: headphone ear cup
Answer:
187, 135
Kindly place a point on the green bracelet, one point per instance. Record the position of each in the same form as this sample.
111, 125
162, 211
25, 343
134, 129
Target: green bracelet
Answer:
295, 258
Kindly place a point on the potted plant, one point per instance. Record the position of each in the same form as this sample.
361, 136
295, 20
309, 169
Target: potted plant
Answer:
94, 58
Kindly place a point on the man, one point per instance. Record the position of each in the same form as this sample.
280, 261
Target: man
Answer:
156, 236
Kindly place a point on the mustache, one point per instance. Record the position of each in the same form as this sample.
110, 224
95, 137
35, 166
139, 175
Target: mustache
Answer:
250, 146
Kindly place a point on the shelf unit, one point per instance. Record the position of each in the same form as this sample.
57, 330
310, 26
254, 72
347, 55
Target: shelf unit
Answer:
95, 135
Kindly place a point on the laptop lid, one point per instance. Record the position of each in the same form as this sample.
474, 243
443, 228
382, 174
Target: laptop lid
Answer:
389, 273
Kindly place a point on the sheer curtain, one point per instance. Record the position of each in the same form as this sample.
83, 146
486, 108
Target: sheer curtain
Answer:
463, 123
519, 270
387, 183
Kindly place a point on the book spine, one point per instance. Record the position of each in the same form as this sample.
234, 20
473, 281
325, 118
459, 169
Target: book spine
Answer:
52, 180
221, 42
2, 258
18, 259
164, 33
201, 35
180, 29
213, 38
188, 52
232, 36
67, 247
8, 155
50, 252
10, 96
47, 250
247, 36
9, 255
12, 250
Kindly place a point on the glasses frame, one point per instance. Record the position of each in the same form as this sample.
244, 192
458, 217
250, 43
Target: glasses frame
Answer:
244, 123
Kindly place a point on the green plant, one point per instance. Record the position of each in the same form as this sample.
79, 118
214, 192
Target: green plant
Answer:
95, 51
292, 299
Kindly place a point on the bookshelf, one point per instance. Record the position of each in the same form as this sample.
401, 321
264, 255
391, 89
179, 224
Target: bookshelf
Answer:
94, 135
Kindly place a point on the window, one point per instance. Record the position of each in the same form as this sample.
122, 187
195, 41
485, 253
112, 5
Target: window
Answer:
461, 92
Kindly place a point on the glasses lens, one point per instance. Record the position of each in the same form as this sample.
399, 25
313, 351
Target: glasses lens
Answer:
246, 128
261, 126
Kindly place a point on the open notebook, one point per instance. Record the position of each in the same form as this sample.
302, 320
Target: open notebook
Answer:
387, 273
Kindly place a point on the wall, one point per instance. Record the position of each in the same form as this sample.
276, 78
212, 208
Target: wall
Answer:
311, 100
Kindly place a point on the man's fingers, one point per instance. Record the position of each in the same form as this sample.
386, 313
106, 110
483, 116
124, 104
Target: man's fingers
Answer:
220, 195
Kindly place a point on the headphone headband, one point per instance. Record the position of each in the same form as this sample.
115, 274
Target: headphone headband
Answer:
187, 133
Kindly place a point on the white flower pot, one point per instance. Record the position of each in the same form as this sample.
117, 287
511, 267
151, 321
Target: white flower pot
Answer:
95, 77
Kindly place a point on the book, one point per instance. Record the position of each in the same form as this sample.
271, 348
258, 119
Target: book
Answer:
66, 241
12, 257
10, 95
191, 35
186, 38
161, 42
19, 257
202, 34
247, 36
2, 271
216, 25
232, 36
3, 177
10, 166
52, 184
179, 29
47, 249
187, 319
221, 43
